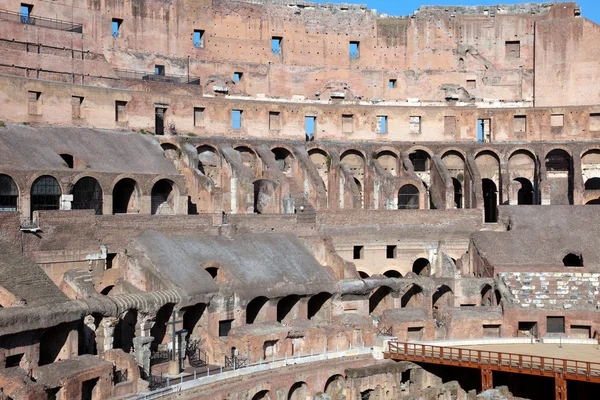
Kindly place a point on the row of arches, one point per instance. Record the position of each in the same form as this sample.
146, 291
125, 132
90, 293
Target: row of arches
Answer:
46, 192
287, 308
335, 388
421, 267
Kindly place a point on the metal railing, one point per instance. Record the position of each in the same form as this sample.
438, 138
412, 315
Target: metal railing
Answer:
148, 76
51, 23
519, 363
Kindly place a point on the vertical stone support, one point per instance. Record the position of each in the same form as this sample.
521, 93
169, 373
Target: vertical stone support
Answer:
486, 379
105, 334
89, 334
141, 352
560, 385
505, 184
578, 185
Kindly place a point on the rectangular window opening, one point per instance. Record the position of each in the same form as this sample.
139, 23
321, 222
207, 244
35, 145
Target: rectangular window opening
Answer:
276, 44
392, 83
595, 122
555, 324
557, 121
483, 130
520, 124
471, 84
198, 116
236, 119
513, 49
347, 123
274, 120
110, 258
116, 27
159, 70
198, 38
120, 111
358, 252
310, 124
354, 49
382, 124
527, 329
34, 107
225, 327
414, 125
26, 13
237, 76
159, 120
76, 102
391, 251
14, 360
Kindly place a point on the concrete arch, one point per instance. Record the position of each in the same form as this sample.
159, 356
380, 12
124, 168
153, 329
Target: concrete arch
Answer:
208, 146
415, 148
298, 391
589, 149
389, 149
510, 152
564, 148
410, 197
450, 150
122, 204
335, 387
318, 148
412, 296
75, 178
487, 150
120, 177
443, 296
345, 152
86, 194
381, 300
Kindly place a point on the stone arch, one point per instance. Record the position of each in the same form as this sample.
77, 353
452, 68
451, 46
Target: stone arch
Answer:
442, 297
412, 297
87, 195
159, 329
322, 161
488, 164
285, 159
381, 300
354, 162
264, 193
126, 196
192, 318
164, 196
363, 275
257, 310
248, 157
262, 395
9, 193
335, 387
53, 344
558, 160
392, 273
593, 202
388, 160
288, 308
106, 290
525, 194
409, 197
45, 194
573, 260
592, 184
298, 391
125, 331
209, 163
490, 200
319, 307
421, 160
458, 193
487, 295
421, 267
171, 151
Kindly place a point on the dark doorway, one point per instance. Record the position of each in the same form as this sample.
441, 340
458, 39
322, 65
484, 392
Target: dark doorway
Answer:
421, 267
192, 316
525, 193
555, 324
285, 307
162, 197
87, 195
378, 297
458, 193
255, 311
225, 327
592, 184
490, 200
159, 121
573, 260
87, 389
420, 161
125, 331
124, 196
52, 342
45, 194
319, 307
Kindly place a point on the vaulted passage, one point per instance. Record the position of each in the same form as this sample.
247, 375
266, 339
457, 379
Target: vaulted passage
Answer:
125, 196
490, 200
87, 195
163, 197
256, 310
45, 194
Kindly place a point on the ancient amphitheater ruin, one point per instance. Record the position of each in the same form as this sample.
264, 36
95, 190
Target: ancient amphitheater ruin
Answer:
285, 200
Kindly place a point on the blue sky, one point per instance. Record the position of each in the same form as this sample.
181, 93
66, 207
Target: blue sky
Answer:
590, 9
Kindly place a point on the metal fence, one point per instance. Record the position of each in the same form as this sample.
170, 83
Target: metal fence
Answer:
147, 76
51, 23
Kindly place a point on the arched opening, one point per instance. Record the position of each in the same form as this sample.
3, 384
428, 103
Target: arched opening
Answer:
213, 271
594, 201
264, 190
298, 391
592, 184
107, 290
9, 194
288, 308
490, 200
380, 300
525, 194
52, 344
558, 160
247, 157
559, 169
458, 193
363, 275
573, 260
319, 307
322, 162
461, 63
209, 164
163, 198
408, 198
68, 159
487, 296
45, 194
192, 318
422, 267
257, 310
125, 331
443, 297
125, 197
170, 151
420, 161
87, 195
353, 163
412, 297
335, 387
159, 329
262, 395
388, 161
392, 273
284, 160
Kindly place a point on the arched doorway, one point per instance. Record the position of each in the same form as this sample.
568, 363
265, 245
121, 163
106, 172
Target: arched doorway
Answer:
422, 267
9, 194
87, 195
443, 297
284, 160
287, 308
412, 297
525, 194
163, 198
298, 391
125, 196
408, 198
380, 300
487, 296
264, 191
45, 194
592, 184
257, 310
420, 161
209, 163
490, 200
335, 387
458, 193
392, 273
319, 307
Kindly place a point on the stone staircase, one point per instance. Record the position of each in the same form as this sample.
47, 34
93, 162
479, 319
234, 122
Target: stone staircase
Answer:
553, 290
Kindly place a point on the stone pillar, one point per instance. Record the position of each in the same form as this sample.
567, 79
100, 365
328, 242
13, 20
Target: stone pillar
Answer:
546, 192
141, 352
105, 334
89, 334
513, 193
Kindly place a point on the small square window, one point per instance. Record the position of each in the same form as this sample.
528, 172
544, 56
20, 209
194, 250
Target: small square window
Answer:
225, 327
354, 49
382, 124
276, 44
198, 116
392, 83
237, 76
159, 70
310, 123
414, 125
274, 120
358, 252
471, 84
520, 123
557, 120
198, 38
236, 119
390, 251
116, 27
513, 49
